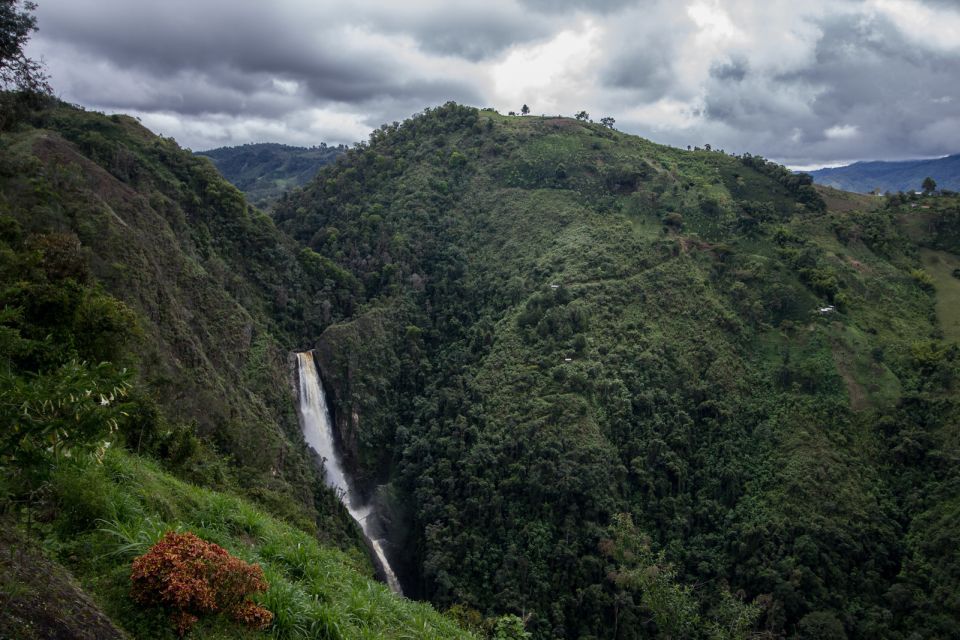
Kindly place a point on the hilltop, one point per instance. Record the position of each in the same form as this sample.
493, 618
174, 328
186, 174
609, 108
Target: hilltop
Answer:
906, 175
624, 389
263, 172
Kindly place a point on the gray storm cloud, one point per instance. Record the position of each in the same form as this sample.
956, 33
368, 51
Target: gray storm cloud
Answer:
817, 83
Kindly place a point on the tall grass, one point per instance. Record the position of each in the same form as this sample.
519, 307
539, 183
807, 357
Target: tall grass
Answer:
124, 505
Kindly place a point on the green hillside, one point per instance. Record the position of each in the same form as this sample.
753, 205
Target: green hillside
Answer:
147, 314
219, 296
265, 171
587, 362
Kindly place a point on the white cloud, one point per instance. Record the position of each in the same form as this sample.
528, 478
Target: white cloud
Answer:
549, 75
798, 82
713, 22
664, 114
925, 26
307, 127
841, 132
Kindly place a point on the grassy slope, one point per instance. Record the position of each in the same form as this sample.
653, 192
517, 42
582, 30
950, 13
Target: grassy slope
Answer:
704, 393
110, 512
41, 599
941, 266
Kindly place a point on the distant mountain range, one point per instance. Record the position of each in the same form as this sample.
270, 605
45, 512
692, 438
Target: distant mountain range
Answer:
906, 175
264, 171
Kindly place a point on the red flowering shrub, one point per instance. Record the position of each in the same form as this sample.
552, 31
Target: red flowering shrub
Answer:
192, 577
252, 615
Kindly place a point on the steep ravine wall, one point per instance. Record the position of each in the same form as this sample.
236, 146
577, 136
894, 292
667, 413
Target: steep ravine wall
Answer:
321, 436
212, 350
362, 376
365, 367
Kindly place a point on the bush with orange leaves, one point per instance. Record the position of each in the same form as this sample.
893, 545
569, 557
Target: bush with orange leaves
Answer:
192, 577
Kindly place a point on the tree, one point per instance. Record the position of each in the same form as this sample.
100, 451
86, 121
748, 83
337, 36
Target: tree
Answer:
524, 109
583, 115
509, 627
71, 407
607, 121
18, 71
929, 185
655, 586
673, 220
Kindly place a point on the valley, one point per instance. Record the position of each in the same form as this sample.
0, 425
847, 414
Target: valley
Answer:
285, 353
586, 381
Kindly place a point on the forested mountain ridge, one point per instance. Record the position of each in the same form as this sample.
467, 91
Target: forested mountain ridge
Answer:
626, 390
265, 171
905, 175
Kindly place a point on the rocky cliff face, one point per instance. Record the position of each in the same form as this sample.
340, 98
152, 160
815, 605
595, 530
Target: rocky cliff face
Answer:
362, 373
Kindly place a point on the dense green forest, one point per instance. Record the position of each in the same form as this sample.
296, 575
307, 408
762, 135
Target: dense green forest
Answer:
629, 391
264, 171
613, 389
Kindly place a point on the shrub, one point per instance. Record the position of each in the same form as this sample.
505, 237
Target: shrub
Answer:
71, 407
192, 577
673, 220
923, 279
509, 627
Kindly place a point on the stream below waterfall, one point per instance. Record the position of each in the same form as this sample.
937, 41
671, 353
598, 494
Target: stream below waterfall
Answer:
319, 434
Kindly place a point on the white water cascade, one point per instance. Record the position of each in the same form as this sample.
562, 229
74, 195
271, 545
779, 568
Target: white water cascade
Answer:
318, 432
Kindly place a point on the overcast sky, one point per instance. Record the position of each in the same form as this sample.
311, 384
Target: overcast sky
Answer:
808, 83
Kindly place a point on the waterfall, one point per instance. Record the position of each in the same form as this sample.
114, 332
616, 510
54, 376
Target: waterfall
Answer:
318, 432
